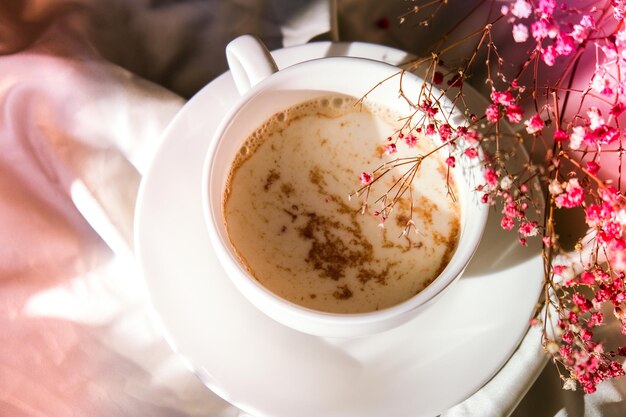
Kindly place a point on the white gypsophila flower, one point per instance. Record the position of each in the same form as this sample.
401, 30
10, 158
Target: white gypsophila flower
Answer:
552, 347
595, 118
520, 33
620, 217
569, 384
600, 82
506, 182
555, 187
577, 136
521, 9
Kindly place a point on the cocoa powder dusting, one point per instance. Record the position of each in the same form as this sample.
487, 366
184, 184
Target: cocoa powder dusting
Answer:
287, 189
331, 255
367, 274
342, 293
450, 243
272, 177
337, 247
425, 209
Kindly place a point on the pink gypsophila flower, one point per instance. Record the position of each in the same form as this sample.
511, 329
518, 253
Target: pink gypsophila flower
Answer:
603, 135
546, 7
564, 45
471, 136
549, 54
507, 222
504, 98
492, 113
573, 196
528, 229
610, 233
514, 113
534, 124
540, 29
579, 34
592, 167
609, 195
491, 177
366, 178
588, 22
430, 129
568, 337
560, 135
437, 77
581, 302
445, 131
428, 108
558, 269
587, 278
596, 318
586, 334
581, 31
596, 214
390, 149
410, 140
617, 109
471, 152
510, 209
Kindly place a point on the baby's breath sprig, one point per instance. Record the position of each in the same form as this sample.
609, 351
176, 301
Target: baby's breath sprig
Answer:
571, 122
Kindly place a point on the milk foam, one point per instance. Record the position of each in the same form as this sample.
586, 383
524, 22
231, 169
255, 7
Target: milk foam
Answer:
291, 223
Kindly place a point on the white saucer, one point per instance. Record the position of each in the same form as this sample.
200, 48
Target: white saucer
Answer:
419, 369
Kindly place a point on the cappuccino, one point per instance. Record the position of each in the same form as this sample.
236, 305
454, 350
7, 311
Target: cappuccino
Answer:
292, 226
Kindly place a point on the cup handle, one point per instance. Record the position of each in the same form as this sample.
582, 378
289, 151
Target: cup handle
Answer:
249, 62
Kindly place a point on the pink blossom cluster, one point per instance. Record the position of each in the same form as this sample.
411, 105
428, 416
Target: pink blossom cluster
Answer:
560, 31
568, 194
564, 100
587, 359
504, 103
499, 187
608, 218
461, 142
595, 132
540, 20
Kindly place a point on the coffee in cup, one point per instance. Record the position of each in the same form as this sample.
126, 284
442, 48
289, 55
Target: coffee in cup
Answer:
293, 227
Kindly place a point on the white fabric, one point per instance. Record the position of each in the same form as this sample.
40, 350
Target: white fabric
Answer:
505, 390
86, 88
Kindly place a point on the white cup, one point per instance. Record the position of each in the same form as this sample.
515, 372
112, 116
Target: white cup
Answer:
267, 91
